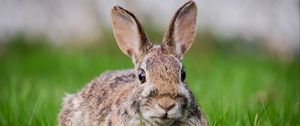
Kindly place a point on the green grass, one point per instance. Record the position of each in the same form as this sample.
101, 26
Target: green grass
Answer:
235, 84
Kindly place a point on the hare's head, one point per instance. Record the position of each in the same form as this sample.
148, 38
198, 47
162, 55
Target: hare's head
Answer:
163, 95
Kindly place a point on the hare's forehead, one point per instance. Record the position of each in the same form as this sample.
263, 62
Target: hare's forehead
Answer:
161, 62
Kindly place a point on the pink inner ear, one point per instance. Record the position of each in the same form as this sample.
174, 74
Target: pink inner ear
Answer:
184, 31
181, 32
126, 32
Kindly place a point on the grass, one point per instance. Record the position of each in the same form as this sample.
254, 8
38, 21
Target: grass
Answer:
235, 84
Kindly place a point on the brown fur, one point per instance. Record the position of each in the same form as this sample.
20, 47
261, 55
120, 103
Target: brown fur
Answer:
119, 98
163, 73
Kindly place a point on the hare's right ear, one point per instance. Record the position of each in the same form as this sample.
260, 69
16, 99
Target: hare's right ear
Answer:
130, 36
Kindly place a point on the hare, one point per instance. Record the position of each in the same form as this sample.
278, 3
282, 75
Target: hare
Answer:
153, 92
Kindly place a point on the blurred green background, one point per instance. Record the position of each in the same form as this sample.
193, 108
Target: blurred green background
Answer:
243, 68
235, 82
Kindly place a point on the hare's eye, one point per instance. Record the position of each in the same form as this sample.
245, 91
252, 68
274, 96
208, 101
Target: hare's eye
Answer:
182, 75
142, 75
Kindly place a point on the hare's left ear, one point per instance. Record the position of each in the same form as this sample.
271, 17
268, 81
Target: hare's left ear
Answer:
179, 36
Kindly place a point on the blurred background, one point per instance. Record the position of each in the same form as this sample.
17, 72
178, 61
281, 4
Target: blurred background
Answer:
243, 66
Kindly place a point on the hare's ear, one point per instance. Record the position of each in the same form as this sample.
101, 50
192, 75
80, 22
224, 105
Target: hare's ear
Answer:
130, 36
179, 36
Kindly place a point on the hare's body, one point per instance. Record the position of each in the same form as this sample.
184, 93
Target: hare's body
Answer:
153, 93
111, 100
100, 97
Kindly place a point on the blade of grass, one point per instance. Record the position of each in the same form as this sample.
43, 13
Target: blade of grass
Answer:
256, 120
34, 110
266, 111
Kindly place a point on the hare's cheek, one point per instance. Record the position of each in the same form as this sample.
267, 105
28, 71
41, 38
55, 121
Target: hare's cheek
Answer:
146, 90
148, 113
149, 106
151, 112
145, 105
176, 112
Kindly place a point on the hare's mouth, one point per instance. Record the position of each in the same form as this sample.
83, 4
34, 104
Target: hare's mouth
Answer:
162, 120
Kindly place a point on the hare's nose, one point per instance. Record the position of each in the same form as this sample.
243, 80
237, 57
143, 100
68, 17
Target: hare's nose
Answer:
166, 103
167, 107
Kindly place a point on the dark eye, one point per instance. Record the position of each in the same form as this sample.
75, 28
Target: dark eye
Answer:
183, 75
142, 75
